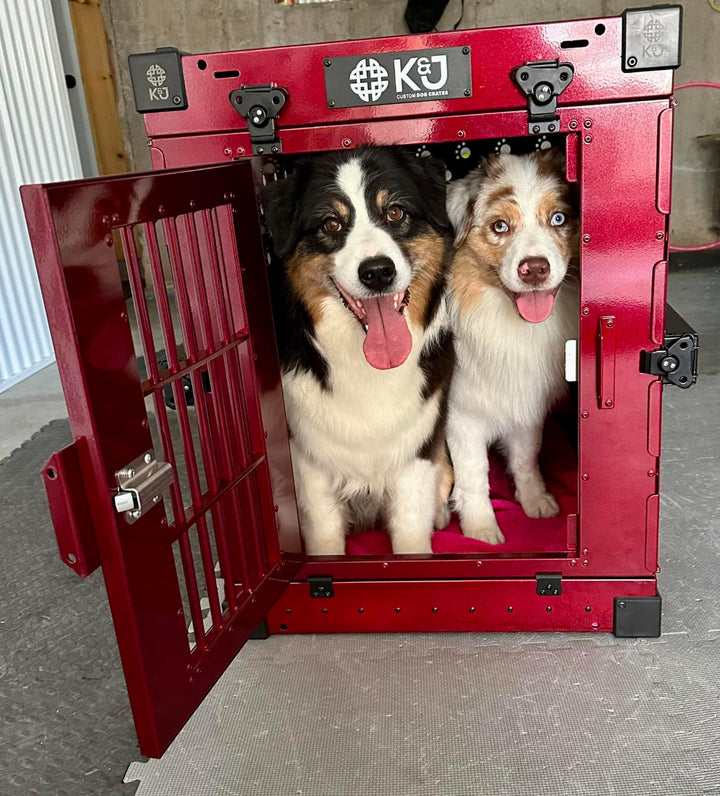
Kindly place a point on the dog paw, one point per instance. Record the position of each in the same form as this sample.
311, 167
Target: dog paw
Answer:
442, 517
485, 532
542, 505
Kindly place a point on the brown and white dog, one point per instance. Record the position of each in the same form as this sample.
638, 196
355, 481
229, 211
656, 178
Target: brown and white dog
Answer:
513, 303
366, 356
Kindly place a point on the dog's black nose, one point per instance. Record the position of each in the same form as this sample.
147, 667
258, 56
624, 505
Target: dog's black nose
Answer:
534, 270
376, 273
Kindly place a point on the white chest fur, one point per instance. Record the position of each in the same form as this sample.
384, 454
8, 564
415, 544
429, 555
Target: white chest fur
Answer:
509, 371
370, 422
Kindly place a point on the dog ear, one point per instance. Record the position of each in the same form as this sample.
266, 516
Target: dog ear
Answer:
279, 201
461, 197
552, 160
430, 175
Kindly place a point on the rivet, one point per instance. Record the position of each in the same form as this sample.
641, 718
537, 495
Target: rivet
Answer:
274, 149
385, 565
115, 218
109, 239
588, 139
435, 609
161, 210
227, 151
324, 610
659, 235
123, 316
621, 604
479, 563
587, 124
331, 103
327, 62
632, 61
510, 609
585, 476
609, 323
573, 562
346, 142
467, 92
106, 220
163, 522
585, 414
465, 50
586, 310
651, 473
241, 150
573, 124
585, 563
461, 133
177, 100
586, 238
397, 610
536, 128
147, 458
609, 402
587, 609
585, 551
548, 608
472, 609
192, 203
72, 558
361, 610
551, 128
288, 610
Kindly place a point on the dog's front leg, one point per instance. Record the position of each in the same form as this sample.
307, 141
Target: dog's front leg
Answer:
468, 441
523, 447
322, 517
412, 507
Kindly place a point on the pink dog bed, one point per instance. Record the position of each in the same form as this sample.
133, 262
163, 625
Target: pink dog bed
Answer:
558, 462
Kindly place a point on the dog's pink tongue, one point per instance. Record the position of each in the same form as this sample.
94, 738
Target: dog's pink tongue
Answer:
536, 306
388, 340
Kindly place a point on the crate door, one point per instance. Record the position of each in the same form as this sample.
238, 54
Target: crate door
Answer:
166, 391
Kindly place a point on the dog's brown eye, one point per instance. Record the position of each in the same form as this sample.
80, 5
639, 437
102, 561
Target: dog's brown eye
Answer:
500, 226
332, 224
394, 213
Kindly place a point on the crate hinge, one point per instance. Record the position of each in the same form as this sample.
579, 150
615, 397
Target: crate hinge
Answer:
259, 106
140, 485
543, 82
548, 584
321, 586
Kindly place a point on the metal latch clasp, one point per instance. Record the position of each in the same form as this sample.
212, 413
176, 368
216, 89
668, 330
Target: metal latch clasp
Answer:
542, 82
140, 485
259, 106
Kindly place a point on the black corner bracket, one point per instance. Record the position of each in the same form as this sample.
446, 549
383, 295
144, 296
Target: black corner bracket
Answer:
651, 38
637, 617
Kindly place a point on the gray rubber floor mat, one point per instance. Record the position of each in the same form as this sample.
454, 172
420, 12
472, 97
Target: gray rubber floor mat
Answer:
490, 714
65, 723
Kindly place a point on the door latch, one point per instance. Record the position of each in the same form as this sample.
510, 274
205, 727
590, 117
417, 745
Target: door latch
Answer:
548, 584
140, 486
543, 82
259, 106
321, 586
677, 361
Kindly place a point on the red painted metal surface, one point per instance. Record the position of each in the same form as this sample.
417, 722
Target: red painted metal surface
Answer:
619, 145
71, 225
453, 606
69, 510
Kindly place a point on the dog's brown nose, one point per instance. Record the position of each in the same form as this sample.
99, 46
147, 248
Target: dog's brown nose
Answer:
534, 270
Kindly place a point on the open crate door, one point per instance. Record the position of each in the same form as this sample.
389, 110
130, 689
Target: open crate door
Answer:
179, 500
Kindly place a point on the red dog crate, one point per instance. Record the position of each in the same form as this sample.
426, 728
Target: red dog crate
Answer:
198, 529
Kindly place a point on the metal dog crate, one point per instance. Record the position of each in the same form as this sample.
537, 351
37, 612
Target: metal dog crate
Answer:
196, 529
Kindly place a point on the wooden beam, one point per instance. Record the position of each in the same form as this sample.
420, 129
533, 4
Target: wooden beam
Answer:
99, 82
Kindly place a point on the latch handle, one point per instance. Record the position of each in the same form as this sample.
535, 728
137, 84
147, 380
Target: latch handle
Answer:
543, 82
259, 106
140, 485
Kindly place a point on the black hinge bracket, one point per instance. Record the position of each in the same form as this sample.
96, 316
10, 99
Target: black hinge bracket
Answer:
548, 584
259, 106
321, 586
543, 82
677, 361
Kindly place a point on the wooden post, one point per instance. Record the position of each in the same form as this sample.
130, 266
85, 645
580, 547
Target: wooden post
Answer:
99, 81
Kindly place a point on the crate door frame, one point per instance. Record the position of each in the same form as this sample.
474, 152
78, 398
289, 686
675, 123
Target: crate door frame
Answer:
209, 224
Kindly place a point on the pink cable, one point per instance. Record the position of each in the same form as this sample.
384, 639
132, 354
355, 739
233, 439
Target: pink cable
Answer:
716, 244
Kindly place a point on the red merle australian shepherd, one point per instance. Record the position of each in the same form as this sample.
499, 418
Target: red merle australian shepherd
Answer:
364, 243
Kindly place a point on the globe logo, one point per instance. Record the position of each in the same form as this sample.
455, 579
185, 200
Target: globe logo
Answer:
156, 75
368, 81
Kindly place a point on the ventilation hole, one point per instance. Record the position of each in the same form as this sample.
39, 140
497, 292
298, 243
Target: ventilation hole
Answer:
227, 73
51, 473
570, 44
599, 29
202, 64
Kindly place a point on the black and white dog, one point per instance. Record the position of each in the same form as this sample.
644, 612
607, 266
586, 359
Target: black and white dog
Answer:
365, 244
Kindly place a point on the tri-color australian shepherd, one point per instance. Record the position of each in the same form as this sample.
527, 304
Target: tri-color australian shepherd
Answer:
513, 303
365, 244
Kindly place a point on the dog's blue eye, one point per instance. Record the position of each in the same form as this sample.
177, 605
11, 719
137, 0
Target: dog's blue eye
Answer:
500, 227
558, 219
